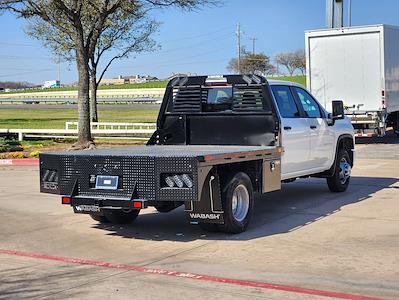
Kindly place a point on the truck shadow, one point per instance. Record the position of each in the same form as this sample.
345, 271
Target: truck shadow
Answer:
297, 205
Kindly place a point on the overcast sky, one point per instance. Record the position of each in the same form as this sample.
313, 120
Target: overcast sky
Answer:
200, 42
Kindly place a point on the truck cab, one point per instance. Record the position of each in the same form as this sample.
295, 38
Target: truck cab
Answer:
308, 133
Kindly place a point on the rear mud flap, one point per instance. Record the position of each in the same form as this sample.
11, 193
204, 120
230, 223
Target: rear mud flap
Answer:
209, 209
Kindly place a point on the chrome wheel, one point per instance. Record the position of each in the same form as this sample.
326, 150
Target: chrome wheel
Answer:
240, 203
345, 170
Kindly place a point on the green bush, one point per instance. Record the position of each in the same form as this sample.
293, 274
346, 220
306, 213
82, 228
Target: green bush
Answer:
34, 153
4, 148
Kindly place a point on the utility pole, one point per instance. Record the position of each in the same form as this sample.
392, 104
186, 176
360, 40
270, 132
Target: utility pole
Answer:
334, 13
238, 33
350, 13
253, 45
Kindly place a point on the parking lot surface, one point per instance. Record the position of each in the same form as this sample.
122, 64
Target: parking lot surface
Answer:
303, 243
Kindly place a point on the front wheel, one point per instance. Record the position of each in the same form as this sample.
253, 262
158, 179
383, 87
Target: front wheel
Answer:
339, 181
237, 200
123, 216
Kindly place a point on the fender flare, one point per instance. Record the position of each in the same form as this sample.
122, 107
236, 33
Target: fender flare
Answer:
331, 170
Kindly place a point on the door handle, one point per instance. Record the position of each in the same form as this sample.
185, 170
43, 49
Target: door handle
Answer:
313, 127
287, 128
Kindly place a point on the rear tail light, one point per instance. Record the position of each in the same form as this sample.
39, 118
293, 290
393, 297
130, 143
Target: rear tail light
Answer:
139, 204
66, 200
169, 181
177, 180
187, 180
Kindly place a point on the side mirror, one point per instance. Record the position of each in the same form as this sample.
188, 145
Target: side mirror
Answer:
338, 111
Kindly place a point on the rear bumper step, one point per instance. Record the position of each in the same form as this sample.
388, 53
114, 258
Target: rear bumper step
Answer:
108, 203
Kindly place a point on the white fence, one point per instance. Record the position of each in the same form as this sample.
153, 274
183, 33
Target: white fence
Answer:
114, 126
98, 129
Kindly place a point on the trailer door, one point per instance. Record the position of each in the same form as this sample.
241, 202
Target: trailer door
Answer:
346, 66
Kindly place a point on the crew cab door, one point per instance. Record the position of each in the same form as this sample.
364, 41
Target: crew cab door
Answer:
295, 133
321, 135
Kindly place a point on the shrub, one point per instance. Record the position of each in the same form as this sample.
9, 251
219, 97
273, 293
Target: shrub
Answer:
4, 148
34, 153
16, 155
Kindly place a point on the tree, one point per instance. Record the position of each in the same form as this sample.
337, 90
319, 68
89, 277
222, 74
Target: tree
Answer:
287, 59
84, 22
300, 60
252, 63
124, 34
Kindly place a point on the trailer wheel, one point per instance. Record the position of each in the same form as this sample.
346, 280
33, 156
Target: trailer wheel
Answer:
237, 200
339, 181
123, 216
99, 218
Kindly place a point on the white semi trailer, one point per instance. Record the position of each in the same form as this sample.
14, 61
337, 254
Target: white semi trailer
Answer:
359, 65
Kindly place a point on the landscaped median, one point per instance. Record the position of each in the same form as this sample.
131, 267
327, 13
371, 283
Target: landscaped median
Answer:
26, 153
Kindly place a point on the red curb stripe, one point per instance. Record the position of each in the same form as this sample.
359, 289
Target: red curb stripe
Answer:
19, 162
262, 285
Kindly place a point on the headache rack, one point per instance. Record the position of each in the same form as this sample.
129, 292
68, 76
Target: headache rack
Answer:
190, 94
236, 109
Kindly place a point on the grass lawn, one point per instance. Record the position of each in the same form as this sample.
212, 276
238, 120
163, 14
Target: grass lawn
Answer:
301, 79
56, 118
157, 84
145, 85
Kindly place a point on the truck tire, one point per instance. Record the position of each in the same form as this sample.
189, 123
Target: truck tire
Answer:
339, 181
99, 218
238, 203
122, 216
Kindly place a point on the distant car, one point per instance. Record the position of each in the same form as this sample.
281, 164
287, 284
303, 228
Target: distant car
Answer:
51, 84
2, 90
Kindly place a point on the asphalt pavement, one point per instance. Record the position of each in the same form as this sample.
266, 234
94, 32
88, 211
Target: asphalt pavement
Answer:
303, 243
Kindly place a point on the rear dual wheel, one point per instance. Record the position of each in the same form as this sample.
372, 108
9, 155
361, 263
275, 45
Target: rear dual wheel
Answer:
237, 202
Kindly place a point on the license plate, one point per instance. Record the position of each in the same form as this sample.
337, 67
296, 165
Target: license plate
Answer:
86, 208
107, 182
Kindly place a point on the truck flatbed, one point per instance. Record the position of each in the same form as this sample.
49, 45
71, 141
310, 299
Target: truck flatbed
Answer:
202, 152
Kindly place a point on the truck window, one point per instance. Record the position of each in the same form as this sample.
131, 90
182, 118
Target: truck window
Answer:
219, 99
285, 101
309, 105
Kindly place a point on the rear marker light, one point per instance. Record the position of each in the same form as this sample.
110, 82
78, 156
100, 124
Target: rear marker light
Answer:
137, 204
66, 200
